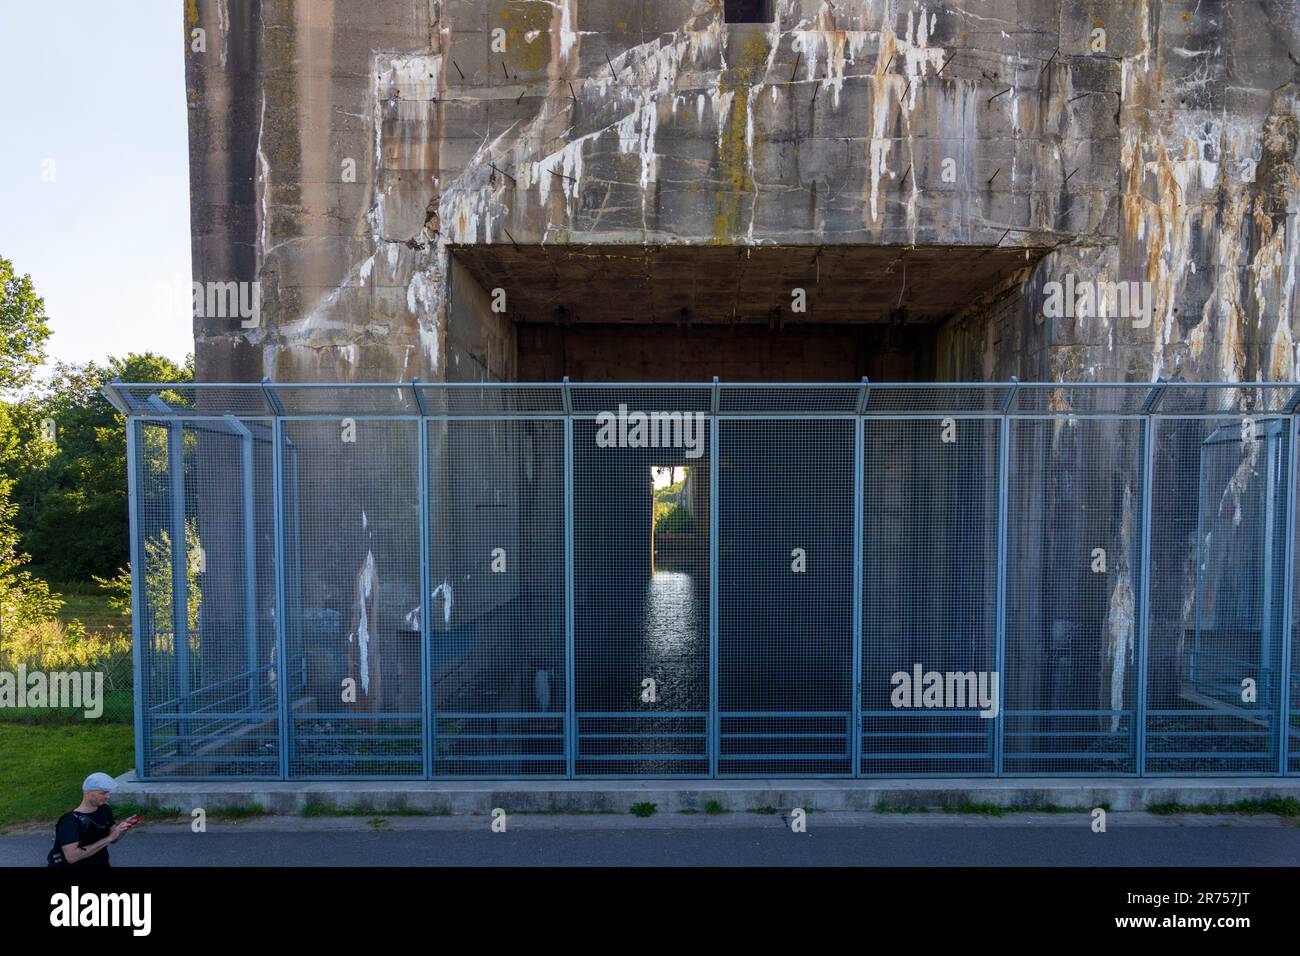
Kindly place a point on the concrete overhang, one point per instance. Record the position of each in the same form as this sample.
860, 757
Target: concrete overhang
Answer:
677, 284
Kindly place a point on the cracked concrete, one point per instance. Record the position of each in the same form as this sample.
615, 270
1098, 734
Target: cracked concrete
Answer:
1165, 153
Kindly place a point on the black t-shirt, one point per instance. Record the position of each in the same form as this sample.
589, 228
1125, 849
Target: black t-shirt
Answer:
82, 829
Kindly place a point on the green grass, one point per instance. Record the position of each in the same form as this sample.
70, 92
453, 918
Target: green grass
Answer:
1279, 806
713, 808
644, 809
119, 708
125, 808
42, 766
87, 604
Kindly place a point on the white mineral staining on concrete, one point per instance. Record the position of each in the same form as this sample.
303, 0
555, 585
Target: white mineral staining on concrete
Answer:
636, 133
223, 28
1194, 172
263, 187
1230, 503
366, 594
902, 62
1120, 615
827, 52
1188, 175
413, 77
1274, 271
444, 592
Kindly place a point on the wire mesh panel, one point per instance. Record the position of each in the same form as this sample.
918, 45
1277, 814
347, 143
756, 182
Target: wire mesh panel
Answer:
514, 580
497, 598
1292, 688
929, 595
204, 540
1217, 583
352, 527
785, 628
641, 553
1072, 581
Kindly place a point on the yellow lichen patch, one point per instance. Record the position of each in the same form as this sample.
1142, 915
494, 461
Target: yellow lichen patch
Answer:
735, 162
532, 20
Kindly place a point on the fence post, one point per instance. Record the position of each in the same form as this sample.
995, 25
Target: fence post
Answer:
1000, 639
1292, 422
281, 643
180, 578
137, 600
715, 479
855, 679
248, 531
570, 696
428, 718
1142, 608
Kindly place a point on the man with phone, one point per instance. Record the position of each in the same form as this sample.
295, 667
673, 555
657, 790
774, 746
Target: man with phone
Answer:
82, 836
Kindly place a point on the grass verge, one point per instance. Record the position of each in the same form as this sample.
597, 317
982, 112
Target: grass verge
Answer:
1279, 806
42, 765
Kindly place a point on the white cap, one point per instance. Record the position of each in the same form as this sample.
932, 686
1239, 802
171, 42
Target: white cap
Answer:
99, 781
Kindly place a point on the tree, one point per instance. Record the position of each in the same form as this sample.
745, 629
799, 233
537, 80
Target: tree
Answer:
71, 480
24, 328
25, 600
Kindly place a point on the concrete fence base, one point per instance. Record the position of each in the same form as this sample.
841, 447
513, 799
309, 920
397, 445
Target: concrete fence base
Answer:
619, 796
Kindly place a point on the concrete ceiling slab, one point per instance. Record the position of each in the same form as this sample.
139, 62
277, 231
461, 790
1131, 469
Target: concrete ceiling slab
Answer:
729, 284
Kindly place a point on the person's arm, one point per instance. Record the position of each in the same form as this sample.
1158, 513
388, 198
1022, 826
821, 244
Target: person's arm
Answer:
74, 853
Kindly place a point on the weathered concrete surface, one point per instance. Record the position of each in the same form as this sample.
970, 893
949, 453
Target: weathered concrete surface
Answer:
647, 183
481, 796
1169, 156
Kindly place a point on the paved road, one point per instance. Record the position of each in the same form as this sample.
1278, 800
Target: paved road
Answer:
736, 840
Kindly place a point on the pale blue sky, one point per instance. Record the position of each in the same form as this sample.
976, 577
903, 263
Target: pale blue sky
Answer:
97, 87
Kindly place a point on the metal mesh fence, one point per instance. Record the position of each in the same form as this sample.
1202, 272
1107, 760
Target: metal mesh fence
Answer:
1215, 657
785, 586
497, 651
357, 572
929, 594
503, 581
1073, 492
641, 621
204, 549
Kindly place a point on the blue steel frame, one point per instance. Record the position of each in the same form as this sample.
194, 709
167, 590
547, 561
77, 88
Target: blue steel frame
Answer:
155, 411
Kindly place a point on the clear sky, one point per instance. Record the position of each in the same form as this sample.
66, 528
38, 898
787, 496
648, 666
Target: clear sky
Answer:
94, 171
